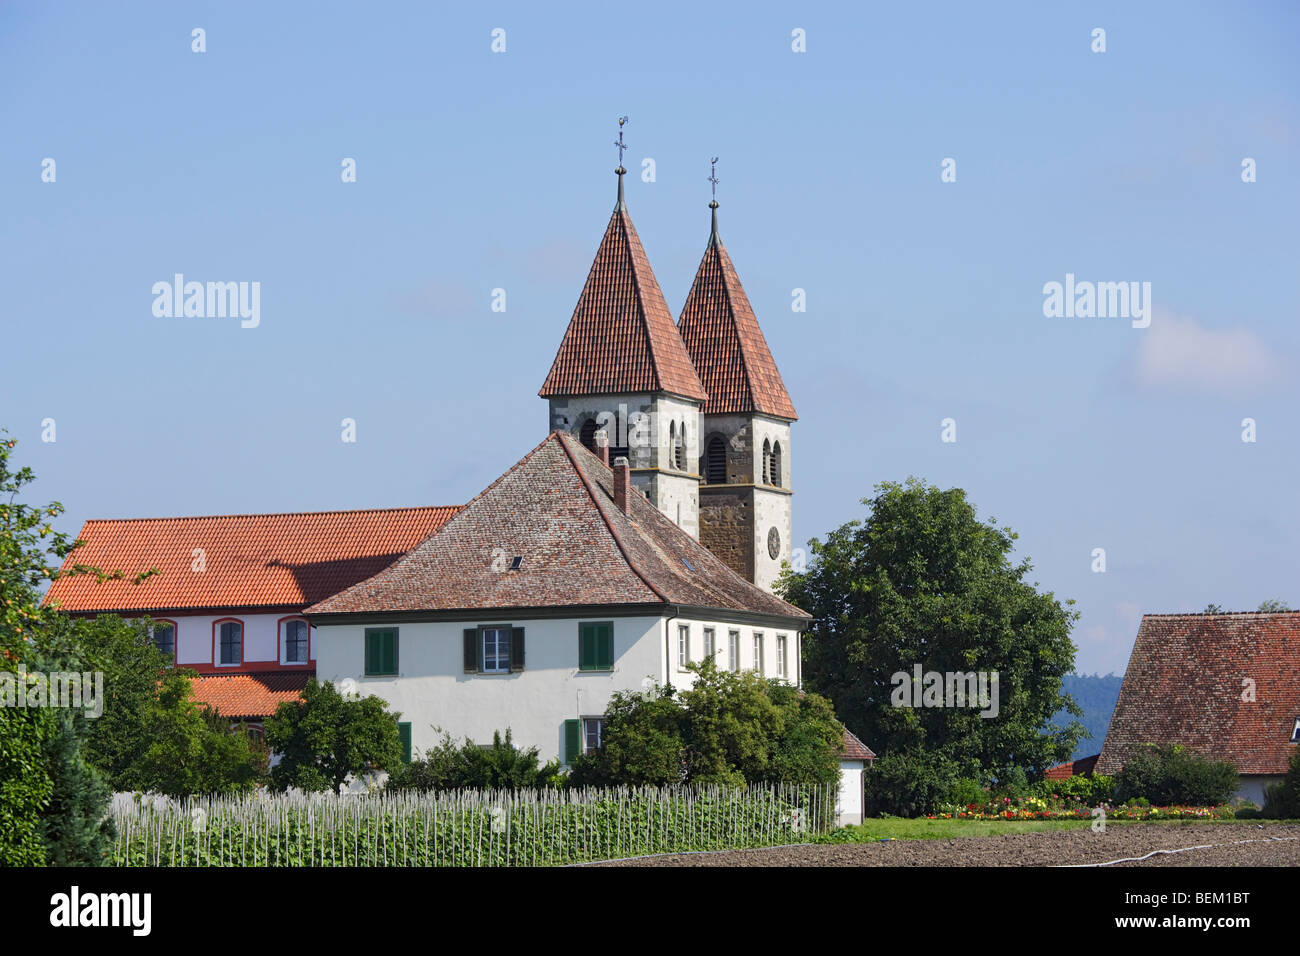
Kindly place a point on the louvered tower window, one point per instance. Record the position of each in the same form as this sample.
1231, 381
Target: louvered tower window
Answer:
715, 462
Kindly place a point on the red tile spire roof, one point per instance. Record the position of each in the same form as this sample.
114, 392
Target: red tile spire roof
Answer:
555, 509
726, 345
621, 337
1184, 685
268, 560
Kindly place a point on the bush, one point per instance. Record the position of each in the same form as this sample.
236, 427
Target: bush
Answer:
1282, 799
907, 785
1089, 791
966, 791
1166, 775
467, 766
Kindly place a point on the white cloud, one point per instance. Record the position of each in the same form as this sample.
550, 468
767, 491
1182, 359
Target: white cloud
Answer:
1177, 351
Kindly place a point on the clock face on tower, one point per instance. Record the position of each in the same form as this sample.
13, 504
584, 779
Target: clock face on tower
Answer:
773, 542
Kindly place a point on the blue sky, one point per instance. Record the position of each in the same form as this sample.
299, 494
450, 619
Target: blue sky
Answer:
479, 170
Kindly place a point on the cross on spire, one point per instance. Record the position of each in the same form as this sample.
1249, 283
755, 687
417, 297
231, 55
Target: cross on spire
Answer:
713, 177
622, 121
713, 203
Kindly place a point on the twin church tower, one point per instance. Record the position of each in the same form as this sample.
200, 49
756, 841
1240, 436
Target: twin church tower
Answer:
697, 407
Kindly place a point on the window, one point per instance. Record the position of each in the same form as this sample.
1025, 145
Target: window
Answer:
767, 462
404, 734
776, 465
381, 652
709, 648
1295, 732
780, 655
715, 462
758, 651
163, 636
679, 450
254, 730
593, 733
494, 649
596, 646
587, 435
683, 645
231, 651
733, 649
295, 642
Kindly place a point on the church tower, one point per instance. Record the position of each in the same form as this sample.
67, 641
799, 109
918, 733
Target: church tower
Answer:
744, 493
622, 369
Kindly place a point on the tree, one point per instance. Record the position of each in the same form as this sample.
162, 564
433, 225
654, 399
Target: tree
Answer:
1273, 605
1213, 609
192, 749
467, 766
727, 729
324, 738
923, 582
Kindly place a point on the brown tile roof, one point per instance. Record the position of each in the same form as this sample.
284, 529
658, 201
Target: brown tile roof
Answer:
251, 560
725, 343
855, 749
621, 337
1075, 768
249, 695
555, 509
1184, 686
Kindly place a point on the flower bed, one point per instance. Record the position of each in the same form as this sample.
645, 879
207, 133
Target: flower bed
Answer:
1039, 808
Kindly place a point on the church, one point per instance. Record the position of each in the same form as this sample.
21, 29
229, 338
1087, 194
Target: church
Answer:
642, 534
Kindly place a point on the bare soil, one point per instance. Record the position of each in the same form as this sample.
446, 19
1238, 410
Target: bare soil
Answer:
1270, 845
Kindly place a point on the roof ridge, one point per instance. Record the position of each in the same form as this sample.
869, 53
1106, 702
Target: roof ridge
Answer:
625, 223
716, 242
277, 514
600, 508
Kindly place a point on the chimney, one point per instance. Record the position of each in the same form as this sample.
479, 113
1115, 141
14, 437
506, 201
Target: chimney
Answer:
602, 446
622, 483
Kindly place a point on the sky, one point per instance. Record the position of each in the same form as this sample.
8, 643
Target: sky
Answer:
479, 169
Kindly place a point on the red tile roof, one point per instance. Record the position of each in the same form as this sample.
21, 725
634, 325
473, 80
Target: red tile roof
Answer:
621, 337
249, 695
1082, 767
726, 345
250, 560
556, 510
855, 749
1184, 685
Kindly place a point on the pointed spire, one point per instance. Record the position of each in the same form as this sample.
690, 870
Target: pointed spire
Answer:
721, 334
622, 338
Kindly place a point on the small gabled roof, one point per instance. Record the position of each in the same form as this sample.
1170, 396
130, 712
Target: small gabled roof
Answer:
555, 509
249, 696
268, 560
726, 345
1184, 685
855, 749
1083, 767
621, 337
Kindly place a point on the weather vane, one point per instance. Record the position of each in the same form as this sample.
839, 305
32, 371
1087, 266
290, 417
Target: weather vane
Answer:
713, 178
622, 121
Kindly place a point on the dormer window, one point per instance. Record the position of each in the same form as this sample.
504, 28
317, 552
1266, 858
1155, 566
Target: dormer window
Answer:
516, 562
1295, 732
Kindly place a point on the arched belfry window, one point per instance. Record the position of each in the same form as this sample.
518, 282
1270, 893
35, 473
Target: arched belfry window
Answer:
715, 462
776, 465
679, 452
767, 462
587, 435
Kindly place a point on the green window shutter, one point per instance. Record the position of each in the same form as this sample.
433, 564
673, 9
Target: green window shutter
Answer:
605, 646
572, 740
516, 648
471, 650
585, 662
390, 652
372, 647
404, 732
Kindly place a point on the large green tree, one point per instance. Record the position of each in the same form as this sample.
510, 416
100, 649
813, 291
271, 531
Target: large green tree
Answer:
325, 737
923, 582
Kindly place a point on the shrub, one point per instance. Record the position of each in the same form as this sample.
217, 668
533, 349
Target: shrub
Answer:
1089, 791
467, 766
966, 791
907, 785
1282, 799
1172, 774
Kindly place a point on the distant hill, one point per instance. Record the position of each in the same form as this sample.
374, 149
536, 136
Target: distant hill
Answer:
1097, 696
